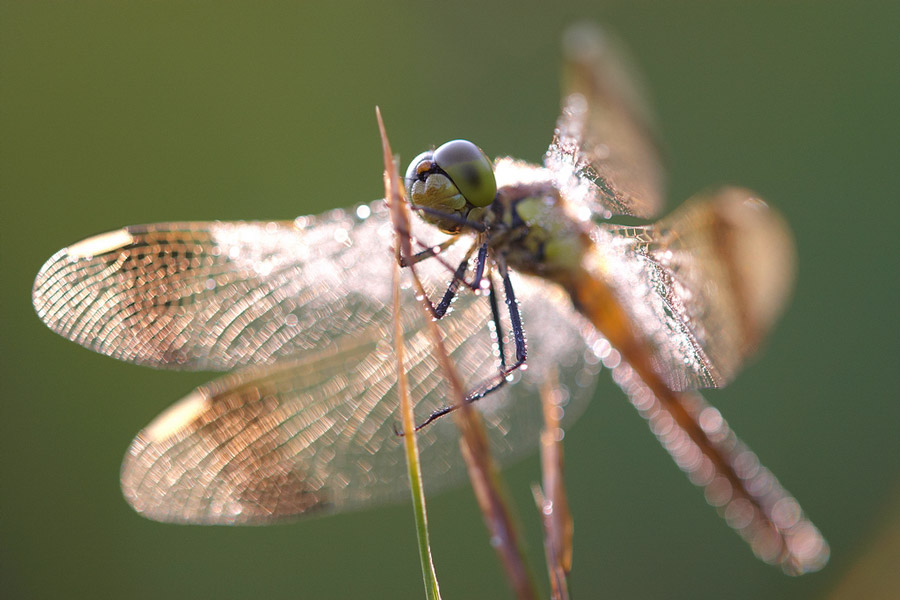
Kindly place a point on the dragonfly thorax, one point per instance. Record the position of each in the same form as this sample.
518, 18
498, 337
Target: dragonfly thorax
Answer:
535, 234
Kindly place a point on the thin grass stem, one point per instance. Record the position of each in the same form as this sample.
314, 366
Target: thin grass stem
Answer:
393, 193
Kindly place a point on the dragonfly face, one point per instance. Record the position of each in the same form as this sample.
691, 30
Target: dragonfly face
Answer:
302, 309
454, 183
523, 222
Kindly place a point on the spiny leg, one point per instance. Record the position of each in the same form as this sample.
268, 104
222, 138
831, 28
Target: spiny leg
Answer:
440, 310
462, 221
498, 325
518, 332
459, 277
515, 317
428, 252
435, 251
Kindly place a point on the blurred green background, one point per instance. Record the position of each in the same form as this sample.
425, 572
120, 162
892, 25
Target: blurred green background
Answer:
114, 113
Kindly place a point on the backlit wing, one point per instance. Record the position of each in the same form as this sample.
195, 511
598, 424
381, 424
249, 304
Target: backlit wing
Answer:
308, 428
315, 435
704, 284
213, 296
603, 152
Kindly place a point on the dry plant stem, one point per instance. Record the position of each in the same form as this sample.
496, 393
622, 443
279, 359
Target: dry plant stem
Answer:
393, 194
482, 473
473, 441
552, 501
559, 586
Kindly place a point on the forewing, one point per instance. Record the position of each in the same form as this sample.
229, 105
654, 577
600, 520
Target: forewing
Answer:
704, 285
603, 151
218, 295
316, 435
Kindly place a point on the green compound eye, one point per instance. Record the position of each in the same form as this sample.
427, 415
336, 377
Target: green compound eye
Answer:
470, 170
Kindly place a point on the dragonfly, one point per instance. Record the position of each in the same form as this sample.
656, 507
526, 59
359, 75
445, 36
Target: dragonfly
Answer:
529, 278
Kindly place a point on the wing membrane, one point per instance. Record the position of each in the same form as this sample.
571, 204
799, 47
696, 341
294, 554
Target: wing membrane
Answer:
704, 284
315, 435
219, 295
309, 427
603, 151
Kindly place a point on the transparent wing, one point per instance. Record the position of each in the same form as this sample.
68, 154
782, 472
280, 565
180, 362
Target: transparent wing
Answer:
315, 435
603, 152
309, 427
704, 284
217, 295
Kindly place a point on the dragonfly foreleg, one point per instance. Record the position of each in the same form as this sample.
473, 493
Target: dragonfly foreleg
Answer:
459, 277
515, 320
435, 253
462, 221
428, 252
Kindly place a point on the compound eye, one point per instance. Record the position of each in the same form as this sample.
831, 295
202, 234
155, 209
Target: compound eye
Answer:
470, 170
420, 164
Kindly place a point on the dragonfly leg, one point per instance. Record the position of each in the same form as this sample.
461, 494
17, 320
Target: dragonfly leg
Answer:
435, 253
440, 310
515, 317
428, 252
498, 325
443, 306
518, 332
464, 222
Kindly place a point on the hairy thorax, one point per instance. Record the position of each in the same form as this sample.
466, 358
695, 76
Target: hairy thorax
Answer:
530, 228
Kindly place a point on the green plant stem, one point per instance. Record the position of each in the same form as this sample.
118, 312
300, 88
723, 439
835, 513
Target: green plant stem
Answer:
393, 193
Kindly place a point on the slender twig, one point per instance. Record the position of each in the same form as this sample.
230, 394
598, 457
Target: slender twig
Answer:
473, 440
393, 194
552, 501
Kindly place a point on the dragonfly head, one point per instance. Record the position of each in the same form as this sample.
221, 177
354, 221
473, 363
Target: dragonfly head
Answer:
454, 180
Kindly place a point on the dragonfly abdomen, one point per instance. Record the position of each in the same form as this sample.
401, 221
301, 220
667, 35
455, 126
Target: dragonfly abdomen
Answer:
746, 494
